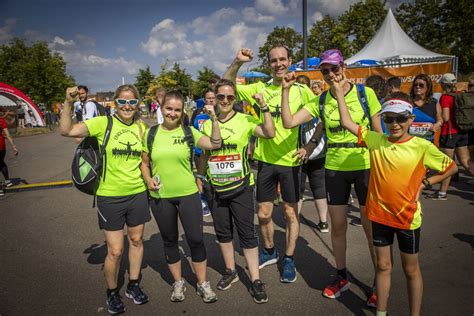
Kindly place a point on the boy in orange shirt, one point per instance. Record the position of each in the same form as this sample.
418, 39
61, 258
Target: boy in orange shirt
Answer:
398, 165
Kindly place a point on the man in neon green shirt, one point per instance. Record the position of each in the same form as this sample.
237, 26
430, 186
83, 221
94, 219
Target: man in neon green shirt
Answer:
276, 156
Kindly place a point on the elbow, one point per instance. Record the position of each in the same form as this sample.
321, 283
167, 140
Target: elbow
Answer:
271, 133
288, 124
64, 133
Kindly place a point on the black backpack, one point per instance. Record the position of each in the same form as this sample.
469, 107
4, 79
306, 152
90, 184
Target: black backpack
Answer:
188, 138
100, 108
464, 111
89, 162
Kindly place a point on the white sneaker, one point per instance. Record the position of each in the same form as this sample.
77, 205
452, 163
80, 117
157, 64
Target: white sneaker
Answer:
8, 183
2, 193
179, 287
204, 290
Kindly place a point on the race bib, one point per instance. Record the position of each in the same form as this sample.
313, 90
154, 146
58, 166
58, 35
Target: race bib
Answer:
225, 168
420, 129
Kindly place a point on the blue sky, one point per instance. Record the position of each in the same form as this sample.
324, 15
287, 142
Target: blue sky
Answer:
105, 40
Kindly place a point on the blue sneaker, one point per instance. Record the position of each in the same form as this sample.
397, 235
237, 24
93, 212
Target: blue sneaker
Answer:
266, 259
114, 304
288, 275
206, 211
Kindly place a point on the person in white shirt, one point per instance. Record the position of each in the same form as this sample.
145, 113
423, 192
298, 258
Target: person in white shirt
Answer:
89, 109
159, 94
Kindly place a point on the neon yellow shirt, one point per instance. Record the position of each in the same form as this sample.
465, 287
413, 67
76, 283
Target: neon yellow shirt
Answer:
229, 164
280, 149
171, 161
123, 156
345, 159
396, 173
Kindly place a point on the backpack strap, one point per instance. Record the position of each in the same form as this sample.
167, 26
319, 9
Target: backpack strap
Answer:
189, 139
103, 153
151, 138
322, 102
363, 101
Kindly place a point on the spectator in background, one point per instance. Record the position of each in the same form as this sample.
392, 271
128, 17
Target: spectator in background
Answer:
452, 140
393, 84
21, 116
427, 110
159, 95
317, 87
302, 79
4, 134
86, 108
378, 84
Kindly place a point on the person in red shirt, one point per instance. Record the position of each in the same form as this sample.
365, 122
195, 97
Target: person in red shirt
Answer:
452, 140
3, 151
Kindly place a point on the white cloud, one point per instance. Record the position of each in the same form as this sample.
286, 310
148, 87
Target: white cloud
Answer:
210, 24
270, 7
331, 7
61, 42
316, 17
251, 15
6, 31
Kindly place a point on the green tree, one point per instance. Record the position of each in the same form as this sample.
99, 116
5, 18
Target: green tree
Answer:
326, 34
35, 70
163, 80
202, 82
281, 35
444, 26
184, 82
360, 23
143, 80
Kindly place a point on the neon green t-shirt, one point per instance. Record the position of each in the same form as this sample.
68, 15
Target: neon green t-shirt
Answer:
280, 149
345, 159
229, 164
396, 174
171, 161
123, 156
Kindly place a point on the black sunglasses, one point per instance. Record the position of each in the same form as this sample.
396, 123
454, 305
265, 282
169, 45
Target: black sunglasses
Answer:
333, 69
399, 119
419, 84
222, 97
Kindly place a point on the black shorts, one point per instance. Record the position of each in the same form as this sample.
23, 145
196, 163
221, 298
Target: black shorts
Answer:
240, 212
408, 240
314, 169
270, 175
21, 116
452, 141
338, 185
470, 137
114, 211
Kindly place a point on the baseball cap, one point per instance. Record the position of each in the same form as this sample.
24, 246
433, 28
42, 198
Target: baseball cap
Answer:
448, 78
331, 56
396, 106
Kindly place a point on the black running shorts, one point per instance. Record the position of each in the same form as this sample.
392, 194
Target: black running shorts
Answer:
270, 175
453, 140
408, 240
338, 185
314, 169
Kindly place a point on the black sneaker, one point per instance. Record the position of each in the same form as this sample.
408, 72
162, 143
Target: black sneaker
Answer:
114, 304
356, 222
257, 289
227, 279
438, 196
135, 293
323, 227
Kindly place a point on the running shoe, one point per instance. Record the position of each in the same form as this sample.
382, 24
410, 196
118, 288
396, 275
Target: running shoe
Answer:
288, 275
257, 289
470, 181
206, 211
2, 193
135, 293
114, 304
179, 287
8, 183
227, 279
372, 301
323, 227
204, 290
356, 222
335, 289
266, 259
437, 196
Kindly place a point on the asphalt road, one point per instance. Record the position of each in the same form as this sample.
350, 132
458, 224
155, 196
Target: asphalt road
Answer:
52, 254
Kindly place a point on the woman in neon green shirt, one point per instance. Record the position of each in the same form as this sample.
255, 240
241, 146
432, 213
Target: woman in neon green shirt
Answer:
121, 196
174, 191
233, 183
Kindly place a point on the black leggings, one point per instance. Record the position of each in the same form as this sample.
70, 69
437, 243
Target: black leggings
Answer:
188, 208
3, 165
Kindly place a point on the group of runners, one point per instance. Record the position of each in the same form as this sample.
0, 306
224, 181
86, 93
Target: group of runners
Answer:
153, 168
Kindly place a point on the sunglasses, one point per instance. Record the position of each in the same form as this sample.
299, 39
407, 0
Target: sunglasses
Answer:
123, 102
419, 84
333, 69
391, 119
222, 97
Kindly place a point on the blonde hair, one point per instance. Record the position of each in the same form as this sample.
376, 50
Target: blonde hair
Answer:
137, 116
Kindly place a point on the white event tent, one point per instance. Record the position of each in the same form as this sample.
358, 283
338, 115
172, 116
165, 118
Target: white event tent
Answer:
392, 46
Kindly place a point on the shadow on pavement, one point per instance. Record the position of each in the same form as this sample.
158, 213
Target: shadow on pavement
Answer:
465, 238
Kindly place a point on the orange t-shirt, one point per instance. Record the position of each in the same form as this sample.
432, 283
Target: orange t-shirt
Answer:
396, 173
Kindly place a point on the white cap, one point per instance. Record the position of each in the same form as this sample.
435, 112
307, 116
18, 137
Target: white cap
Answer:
448, 78
396, 106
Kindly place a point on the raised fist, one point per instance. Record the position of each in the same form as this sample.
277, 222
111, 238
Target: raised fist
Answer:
71, 94
260, 100
288, 80
244, 55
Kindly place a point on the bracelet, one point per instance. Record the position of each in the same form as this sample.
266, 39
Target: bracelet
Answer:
265, 109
